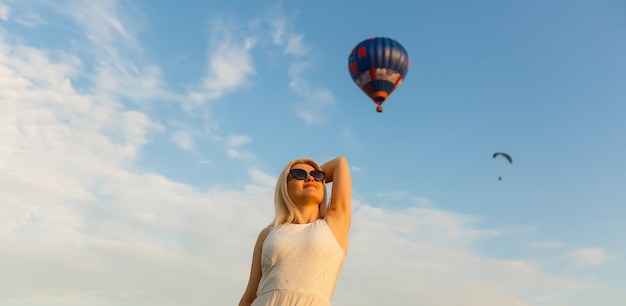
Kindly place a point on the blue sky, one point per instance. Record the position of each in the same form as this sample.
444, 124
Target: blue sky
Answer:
140, 142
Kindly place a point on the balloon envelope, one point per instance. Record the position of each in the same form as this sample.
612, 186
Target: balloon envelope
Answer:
378, 65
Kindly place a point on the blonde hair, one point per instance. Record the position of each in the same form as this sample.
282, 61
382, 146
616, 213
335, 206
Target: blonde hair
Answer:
285, 208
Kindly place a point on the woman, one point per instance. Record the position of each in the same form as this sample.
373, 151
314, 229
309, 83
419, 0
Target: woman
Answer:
297, 259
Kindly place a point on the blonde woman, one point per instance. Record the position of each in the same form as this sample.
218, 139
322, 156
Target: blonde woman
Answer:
297, 259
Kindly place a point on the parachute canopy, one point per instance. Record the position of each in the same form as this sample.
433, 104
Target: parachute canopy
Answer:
507, 156
378, 65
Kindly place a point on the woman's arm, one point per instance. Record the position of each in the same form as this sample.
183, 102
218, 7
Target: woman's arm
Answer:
339, 212
255, 271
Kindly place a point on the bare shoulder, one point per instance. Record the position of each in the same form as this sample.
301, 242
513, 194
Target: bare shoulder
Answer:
258, 246
255, 270
263, 234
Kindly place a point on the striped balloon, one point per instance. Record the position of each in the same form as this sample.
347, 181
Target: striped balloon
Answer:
378, 65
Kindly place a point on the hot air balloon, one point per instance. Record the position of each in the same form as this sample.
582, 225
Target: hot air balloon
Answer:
378, 65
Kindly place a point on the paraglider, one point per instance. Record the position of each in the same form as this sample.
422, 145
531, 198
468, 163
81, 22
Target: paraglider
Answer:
506, 156
377, 66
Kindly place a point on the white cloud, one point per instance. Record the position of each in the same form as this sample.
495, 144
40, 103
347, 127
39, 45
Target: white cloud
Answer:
235, 154
109, 235
107, 24
421, 201
107, 34
283, 35
547, 244
183, 139
589, 256
204, 163
425, 256
238, 140
315, 101
393, 196
313, 106
34, 66
262, 179
298, 83
295, 45
279, 25
5, 10
187, 136
234, 143
30, 20
241, 155
125, 80
356, 169
230, 65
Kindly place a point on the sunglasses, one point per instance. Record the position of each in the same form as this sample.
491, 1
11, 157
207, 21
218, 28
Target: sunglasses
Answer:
300, 174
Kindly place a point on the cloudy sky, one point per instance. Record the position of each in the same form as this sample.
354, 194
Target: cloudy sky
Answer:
140, 142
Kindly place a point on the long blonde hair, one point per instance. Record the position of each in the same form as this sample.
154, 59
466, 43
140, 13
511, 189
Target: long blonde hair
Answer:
285, 208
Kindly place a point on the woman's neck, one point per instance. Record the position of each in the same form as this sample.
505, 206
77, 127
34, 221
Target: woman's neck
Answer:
306, 214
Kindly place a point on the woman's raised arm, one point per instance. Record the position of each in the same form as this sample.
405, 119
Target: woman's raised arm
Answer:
338, 215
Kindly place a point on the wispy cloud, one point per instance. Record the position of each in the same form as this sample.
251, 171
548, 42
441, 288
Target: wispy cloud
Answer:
430, 252
237, 140
230, 64
421, 201
282, 35
5, 10
356, 169
204, 163
295, 45
589, 256
393, 196
234, 151
404, 197
314, 100
183, 139
25, 19
135, 83
30, 20
116, 63
110, 25
107, 232
33, 65
546, 244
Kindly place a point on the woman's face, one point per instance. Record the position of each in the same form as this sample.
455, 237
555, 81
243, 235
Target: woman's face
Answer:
307, 191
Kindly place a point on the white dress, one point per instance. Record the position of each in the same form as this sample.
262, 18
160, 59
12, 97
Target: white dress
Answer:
300, 265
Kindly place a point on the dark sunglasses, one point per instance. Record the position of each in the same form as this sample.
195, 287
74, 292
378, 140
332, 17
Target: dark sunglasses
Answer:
300, 174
